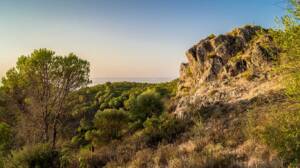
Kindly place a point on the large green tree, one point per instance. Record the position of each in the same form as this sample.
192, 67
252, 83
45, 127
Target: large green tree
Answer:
40, 84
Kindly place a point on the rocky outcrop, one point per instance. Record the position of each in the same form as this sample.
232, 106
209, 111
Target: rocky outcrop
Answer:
227, 68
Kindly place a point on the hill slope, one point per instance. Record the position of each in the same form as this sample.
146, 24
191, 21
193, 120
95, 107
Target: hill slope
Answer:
228, 81
235, 104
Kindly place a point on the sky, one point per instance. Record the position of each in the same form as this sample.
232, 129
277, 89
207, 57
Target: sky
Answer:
123, 38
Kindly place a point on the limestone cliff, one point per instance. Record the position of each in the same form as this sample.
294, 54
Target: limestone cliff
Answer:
227, 68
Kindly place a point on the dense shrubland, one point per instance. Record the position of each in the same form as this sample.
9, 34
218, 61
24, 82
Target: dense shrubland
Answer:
89, 118
49, 117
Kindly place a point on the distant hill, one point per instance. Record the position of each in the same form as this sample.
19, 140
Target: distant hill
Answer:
102, 80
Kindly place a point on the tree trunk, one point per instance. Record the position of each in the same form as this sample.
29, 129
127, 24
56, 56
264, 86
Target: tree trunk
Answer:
46, 131
54, 134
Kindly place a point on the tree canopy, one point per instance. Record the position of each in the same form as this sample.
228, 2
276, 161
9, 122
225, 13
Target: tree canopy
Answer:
40, 84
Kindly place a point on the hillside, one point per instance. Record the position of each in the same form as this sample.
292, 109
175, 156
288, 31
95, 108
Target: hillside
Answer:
229, 86
226, 77
235, 104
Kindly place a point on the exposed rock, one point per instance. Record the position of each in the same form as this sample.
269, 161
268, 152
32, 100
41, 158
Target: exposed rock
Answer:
227, 68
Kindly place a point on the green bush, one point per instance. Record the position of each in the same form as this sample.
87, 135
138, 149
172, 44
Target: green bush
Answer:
163, 128
5, 137
287, 38
146, 105
79, 139
278, 125
109, 124
68, 156
282, 133
37, 156
285, 124
293, 86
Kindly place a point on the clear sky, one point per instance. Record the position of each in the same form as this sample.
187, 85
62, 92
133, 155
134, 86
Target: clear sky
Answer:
123, 38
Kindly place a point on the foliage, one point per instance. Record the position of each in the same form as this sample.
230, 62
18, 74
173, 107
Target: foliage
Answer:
40, 83
39, 155
163, 128
146, 105
128, 123
68, 155
294, 9
6, 114
287, 38
110, 124
120, 94
271, 125
286, 126
293, 86
85, 102
278, 127
80, 138
6, 138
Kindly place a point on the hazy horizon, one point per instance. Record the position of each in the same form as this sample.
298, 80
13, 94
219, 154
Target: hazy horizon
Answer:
102, 80
123, 39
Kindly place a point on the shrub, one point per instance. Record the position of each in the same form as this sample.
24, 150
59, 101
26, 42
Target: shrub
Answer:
293, 86
5, 141
88, 159
40, 155
110, 124
285, 125
79, 139
279, 130
68, 156
166, 127
5, 137
287, 38
146, 105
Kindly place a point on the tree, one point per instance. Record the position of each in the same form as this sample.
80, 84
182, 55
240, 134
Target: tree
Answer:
40, 84
165, 127
295, 8
6, 114
287, 37
110, 124
146, 105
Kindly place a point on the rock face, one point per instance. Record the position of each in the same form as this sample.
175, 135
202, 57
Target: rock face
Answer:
227, 68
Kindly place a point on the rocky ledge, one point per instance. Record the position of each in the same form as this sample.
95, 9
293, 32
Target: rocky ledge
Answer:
227, 68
